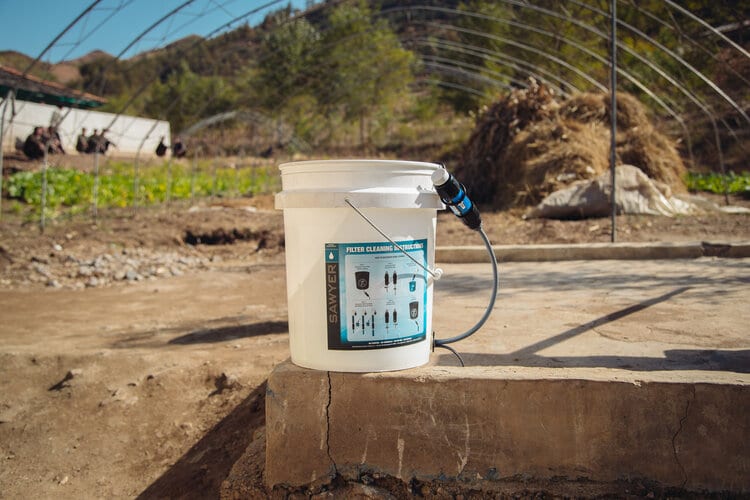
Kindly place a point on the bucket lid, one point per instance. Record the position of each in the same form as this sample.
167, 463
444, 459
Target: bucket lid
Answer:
367, 183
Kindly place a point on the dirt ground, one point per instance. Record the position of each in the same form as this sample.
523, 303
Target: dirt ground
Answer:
133, 360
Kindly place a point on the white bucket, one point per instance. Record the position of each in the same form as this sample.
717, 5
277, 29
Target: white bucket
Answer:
340, 271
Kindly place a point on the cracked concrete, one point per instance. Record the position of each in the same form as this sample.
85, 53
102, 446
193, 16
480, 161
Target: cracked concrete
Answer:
484, 420
328, 424
604, 371
677, 433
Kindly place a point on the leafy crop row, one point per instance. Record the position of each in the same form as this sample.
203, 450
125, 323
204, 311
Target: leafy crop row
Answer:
115, 187
717, 183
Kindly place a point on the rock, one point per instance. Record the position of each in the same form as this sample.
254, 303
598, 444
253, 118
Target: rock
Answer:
57, 247
42, 270
122, 395
224, 382
131, 275
363, 491
93, 282
84, 271
52, 283
74, 373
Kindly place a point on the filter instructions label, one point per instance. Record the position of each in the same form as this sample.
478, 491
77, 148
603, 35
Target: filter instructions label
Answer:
376, 297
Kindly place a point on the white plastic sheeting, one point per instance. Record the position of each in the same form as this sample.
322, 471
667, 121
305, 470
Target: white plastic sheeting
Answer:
636, 193
127, 132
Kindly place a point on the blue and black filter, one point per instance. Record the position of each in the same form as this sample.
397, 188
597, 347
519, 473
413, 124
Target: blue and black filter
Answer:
453, 194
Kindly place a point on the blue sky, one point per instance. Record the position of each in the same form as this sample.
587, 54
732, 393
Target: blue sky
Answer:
28, 26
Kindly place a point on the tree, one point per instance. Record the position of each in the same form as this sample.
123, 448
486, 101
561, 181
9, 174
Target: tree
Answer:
186, 97
286, 57
362, 66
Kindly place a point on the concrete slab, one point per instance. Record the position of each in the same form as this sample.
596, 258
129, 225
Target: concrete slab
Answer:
594, 251
478, 425
604, 370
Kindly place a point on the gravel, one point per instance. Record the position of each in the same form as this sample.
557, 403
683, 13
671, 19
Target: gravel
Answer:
65, 269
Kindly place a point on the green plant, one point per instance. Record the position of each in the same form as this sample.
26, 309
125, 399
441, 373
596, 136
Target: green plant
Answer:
719, 183
75, 191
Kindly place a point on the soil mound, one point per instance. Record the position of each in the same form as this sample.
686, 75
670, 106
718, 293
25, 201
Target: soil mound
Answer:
530, 143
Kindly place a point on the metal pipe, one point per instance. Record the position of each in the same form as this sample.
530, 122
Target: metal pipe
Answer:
513, 62
472, 50
447, 69
668, 51
168, 194
524, 46
613, 112
60, 35
705, 108
43, 194
482, 72
95, 194
140, 36
710, 53
707, 26
180, 53
2, 134
640, 85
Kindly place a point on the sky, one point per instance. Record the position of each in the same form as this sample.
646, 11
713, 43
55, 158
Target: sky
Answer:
28, 26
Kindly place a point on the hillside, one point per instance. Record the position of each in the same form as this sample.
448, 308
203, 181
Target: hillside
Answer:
20, 61
65, 72
384, 77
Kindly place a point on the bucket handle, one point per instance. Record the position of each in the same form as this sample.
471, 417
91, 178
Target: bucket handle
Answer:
435, 273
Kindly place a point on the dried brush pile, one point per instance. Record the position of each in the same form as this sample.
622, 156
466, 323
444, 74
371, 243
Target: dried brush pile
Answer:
529, 144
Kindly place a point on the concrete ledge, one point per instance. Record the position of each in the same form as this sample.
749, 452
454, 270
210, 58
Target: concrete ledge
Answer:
593, 251
492, 424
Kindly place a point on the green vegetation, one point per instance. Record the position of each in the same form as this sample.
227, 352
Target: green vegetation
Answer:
717, 183
373, 77
74, 190
361, 74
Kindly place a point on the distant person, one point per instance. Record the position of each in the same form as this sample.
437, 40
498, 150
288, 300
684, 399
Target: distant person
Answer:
104, 142
54, 142
161, 148
267, 153
92, 143
178, 148
82, 141
34, 147
98, 143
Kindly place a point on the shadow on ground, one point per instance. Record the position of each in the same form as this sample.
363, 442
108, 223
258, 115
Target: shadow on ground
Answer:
224, 333
710, 280
208, 334
680, 359
199, 473
674, 360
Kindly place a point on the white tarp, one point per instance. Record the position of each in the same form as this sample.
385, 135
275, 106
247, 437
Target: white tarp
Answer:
128, 132
636, 194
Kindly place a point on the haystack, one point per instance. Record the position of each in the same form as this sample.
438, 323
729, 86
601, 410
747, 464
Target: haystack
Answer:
529, 144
